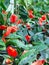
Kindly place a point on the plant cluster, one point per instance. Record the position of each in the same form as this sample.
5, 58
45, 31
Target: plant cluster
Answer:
24, 34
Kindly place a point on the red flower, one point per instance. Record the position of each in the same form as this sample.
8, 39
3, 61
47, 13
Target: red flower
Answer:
12, 52
13, 18
28, 26
8, 31
43, 17
3, 27
14, 29
27, 37
39, 62
19, 21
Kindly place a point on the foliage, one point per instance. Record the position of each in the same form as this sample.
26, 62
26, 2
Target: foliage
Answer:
34, 25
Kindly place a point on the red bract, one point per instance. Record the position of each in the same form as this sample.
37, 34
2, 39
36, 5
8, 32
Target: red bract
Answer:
46, 22
28, 26
3, 27
19, 21
12, 52
39, 62
13, 18
31, 15
27, 37
14, 29
40, 19
43, 17
4, 12
3, 39
40, 23
8, 61
8, 31
30, 11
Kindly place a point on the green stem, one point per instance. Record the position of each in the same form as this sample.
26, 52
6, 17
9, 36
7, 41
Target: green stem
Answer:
15, 6
14, 63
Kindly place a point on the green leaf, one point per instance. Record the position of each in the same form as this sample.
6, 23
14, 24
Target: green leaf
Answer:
22, 12
2, 45
1, 19
3, 5
47, 59
19, 44
2, 0
40, 47
46, 64
7, 2
16, 43
22, 2
3, 48
28, 57
31, 54
14, 36
47, 41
